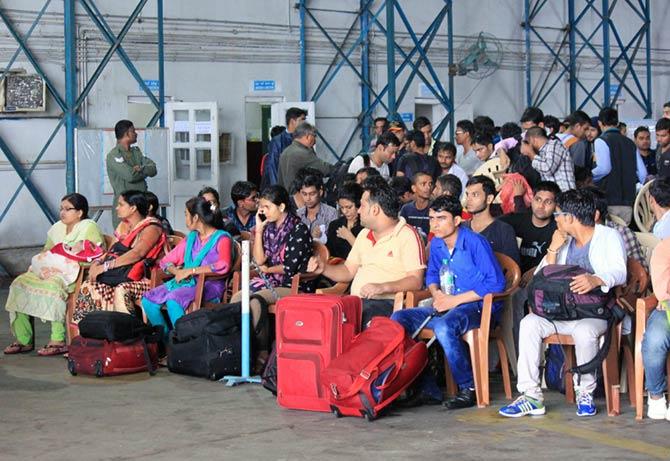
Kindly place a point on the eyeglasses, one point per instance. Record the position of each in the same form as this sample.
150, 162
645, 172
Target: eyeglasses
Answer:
67, 208
560, 213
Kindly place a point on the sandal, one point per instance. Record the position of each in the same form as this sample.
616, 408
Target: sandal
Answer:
18, 348
52, 349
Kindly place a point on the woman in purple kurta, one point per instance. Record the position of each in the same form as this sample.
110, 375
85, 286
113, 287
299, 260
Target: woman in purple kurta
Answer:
206, 248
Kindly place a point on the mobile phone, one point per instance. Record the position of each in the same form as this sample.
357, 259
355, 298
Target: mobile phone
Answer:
262, 217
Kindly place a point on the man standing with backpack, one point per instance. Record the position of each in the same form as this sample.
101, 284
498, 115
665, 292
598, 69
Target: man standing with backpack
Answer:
597, 249
385, 151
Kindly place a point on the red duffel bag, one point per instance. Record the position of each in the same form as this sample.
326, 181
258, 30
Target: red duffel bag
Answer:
380, 364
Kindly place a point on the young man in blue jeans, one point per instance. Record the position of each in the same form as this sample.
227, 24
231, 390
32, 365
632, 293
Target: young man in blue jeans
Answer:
476, 273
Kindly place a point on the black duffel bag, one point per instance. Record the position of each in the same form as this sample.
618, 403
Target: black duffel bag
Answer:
208, 342
113, 326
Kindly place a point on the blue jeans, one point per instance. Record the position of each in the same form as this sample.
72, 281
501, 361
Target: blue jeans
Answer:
655, 349
448, 329
155, 316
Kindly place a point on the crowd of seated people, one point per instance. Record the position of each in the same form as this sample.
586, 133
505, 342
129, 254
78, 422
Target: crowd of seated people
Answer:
566, 189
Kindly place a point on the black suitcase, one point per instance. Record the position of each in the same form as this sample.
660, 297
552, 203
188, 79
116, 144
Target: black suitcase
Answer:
207, 343
113, 326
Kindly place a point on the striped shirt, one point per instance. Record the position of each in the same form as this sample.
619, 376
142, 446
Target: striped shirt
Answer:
554, 163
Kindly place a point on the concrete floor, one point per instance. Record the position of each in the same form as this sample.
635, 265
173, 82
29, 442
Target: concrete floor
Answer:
47, 414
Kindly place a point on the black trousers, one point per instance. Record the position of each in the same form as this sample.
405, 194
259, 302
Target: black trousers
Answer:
374, 308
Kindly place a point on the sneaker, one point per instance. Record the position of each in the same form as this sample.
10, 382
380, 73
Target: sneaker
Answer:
657, 408
523, 406
585, 405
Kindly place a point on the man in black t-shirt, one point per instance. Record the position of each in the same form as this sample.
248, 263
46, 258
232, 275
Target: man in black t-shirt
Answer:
479, 194
535, 229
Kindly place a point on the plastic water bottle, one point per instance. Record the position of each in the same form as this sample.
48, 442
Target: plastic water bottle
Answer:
446, 278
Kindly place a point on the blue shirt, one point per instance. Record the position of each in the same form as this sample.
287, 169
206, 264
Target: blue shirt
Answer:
662, 226
604, 162
417, 218
231, 215
275, 147
473, 263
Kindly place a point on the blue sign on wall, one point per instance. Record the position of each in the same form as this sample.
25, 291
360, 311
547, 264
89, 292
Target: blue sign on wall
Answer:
265, 85
407, 116
153, 85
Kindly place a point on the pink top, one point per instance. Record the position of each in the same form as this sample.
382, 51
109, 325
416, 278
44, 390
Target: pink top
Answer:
219, 261
660, 270
507, 144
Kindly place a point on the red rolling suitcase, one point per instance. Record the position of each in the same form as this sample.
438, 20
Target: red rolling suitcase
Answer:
101, 357
311, 331
381, 363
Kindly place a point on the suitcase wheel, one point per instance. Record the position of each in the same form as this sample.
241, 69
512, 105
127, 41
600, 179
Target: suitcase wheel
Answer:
71, 367
334, 410
98, 369
369, 417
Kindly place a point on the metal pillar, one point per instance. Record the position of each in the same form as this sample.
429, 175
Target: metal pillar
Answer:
303, 52
72, 101
593, 39
365, 71
161, 63
70, 90
368, 20
390, 59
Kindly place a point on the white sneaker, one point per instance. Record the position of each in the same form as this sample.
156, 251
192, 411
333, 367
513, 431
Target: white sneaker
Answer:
657, 408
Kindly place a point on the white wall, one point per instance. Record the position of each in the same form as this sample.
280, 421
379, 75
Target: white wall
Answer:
214, 48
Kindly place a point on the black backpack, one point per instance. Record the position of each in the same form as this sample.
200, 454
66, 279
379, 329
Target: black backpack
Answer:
338, 172
549, 296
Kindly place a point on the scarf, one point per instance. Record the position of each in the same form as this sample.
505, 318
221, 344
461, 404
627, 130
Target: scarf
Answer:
192, 262
274, 244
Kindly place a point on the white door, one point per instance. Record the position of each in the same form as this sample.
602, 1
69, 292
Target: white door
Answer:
194, 153
278, 112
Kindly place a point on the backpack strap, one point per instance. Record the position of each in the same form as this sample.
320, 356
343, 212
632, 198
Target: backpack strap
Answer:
594, 364
393, 348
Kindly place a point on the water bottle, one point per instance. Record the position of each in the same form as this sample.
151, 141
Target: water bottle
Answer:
446, 278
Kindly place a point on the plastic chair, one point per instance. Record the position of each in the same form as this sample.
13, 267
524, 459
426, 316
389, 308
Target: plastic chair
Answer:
637, 284
617, 220
642, 311
478, 338
644, 217
493, 169
648, 242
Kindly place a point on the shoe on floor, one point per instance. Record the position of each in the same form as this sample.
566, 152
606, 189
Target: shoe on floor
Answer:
523, 406
465, 398
585, 405
17, 348
417, 399
51, 350
657, 408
